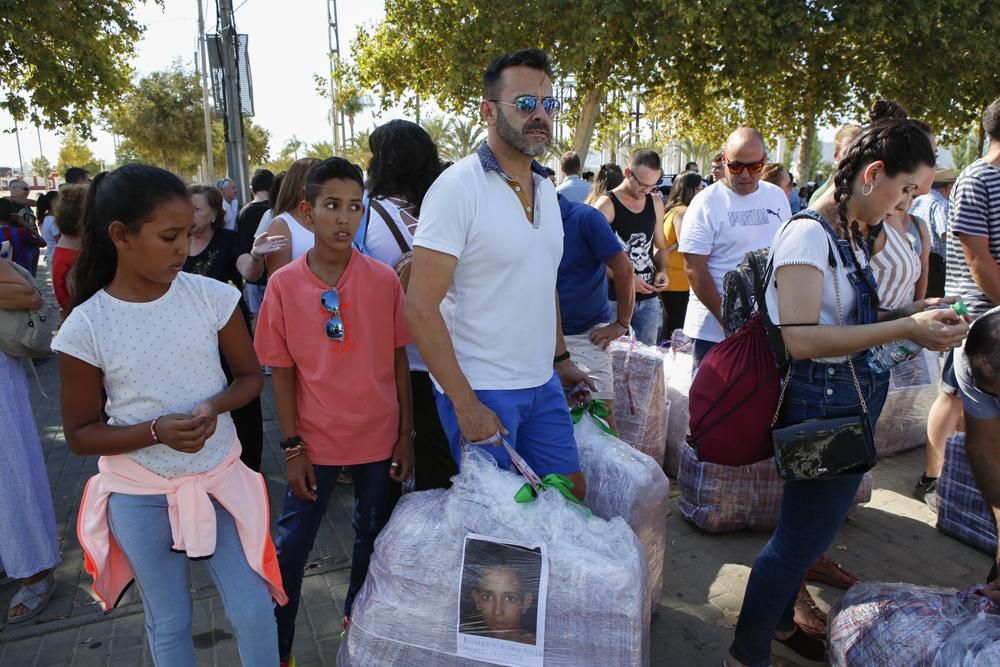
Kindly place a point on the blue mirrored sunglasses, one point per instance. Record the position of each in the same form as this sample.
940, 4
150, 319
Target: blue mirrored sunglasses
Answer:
528, 103
334, 327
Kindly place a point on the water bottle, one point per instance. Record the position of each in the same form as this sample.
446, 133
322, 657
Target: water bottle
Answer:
892, 354
680, 342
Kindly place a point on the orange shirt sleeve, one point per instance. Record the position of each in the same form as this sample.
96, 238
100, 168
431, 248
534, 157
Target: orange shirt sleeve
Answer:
270, 340
402, 331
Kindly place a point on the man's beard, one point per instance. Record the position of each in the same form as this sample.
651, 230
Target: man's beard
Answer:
518, 141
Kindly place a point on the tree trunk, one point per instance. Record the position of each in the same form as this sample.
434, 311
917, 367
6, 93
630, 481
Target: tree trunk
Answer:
350, 122
806, 148
980, 148
587, 120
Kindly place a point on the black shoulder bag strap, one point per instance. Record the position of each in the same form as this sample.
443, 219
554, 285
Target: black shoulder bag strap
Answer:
391, 224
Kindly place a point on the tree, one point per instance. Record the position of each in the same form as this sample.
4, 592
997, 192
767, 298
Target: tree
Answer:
440, 129
320, 150
40, 166
439, 49
466, 135
64, 61
357, 150
76, 153
967, 150
160, 121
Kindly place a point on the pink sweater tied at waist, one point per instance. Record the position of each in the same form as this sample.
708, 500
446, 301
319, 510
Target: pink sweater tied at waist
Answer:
239, 490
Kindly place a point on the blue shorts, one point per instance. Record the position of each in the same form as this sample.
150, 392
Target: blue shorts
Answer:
949, 381
255, 296
538, 421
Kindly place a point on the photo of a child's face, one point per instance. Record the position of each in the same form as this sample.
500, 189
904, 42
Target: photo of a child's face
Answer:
501, 585
502, 603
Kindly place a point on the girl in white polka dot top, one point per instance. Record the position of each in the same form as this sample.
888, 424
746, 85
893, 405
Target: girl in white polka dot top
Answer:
171, 485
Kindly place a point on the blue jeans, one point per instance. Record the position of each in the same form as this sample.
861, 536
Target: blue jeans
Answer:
300, 520
811, 512
142, 529
699, 350
647, 317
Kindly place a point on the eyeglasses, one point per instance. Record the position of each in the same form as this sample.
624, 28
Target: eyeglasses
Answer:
527, 104
334, 328
751, 167
646, 186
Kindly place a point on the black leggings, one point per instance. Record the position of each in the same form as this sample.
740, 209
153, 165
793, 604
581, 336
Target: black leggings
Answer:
431, 450
675, 305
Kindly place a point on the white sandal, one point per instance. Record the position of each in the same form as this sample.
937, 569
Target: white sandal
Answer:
33, 596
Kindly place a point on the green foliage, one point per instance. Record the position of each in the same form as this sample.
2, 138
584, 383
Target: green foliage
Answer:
320, 150
76, 153
466, 135
440, 129
966, 151
357, 150
64, 61
160, 121
41, 166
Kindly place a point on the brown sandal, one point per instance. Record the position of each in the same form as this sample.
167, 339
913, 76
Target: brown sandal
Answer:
828, 571
808, 616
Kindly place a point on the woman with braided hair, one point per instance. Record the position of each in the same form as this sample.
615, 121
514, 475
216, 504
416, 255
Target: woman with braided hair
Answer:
830, 321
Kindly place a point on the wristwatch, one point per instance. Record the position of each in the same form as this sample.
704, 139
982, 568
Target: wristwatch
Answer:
560, 357
288, 443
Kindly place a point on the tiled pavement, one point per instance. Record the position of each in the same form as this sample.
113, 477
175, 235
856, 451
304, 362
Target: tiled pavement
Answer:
892, 538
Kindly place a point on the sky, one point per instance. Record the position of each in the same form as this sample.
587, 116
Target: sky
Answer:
288, 45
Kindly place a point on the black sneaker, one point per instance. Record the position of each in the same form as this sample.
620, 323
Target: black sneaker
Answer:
926, 486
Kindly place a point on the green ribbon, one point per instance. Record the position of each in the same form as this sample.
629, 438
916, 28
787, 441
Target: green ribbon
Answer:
561, 483
598, 410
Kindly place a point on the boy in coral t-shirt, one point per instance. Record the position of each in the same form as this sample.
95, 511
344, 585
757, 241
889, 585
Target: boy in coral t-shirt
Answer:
332, 328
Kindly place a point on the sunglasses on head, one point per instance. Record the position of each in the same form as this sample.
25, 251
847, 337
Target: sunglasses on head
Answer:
334, 328
751, 167
528, 103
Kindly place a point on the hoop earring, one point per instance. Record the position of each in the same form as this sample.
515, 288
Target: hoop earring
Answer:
870, 186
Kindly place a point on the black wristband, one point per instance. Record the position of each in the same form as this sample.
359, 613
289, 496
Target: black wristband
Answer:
288, 443
560, 357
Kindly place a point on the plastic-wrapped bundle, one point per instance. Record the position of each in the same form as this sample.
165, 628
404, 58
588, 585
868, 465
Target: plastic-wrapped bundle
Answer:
408, 611
962, 512
719, 498
913, 626
677, 373
913, 387
624, 482
640, 401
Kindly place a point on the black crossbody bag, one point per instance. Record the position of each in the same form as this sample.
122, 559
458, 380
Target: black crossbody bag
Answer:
825, 447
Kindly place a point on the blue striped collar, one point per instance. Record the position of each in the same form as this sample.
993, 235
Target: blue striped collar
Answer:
489, 162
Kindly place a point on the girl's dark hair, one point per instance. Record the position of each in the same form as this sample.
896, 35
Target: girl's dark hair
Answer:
214, 198
44, 206
69, 209
272, 196
6, 211
404, 162
683, 190
328, 169
888, 109
130, 195
609, 177
900, 143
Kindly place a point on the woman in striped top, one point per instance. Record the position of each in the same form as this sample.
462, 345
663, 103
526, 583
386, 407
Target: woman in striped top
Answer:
900, 271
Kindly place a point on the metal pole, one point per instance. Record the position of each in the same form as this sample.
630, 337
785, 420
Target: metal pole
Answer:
235, 143
20, 160
203, 49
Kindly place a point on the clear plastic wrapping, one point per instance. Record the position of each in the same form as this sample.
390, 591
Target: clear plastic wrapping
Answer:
901, 625
677, 374
962, 512
640, 397
913, 387
626, 483
592, 605
719, 498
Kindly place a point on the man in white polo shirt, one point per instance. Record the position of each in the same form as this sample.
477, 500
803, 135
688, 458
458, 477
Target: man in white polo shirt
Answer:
482, 303
736, 214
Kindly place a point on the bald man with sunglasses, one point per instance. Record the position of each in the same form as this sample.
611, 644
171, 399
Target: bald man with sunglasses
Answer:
736, 214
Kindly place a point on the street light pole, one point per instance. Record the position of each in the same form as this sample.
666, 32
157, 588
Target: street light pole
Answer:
20, 160
210, 158
235, 140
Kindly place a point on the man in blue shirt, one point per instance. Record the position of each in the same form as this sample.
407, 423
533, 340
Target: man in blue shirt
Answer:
590, 246
572, 187
933, 208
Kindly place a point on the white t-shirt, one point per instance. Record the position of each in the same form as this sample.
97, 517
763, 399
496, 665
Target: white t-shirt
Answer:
805, 242
380, 244
50, 232
232, 212
726, 226
158, 358
501, 306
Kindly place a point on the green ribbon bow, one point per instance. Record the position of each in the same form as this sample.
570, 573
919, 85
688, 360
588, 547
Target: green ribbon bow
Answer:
598, 410
560, 483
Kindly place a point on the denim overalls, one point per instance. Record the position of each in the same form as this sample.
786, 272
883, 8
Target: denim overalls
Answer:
811, 511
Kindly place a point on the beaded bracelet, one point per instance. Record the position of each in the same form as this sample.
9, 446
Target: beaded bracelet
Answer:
292, 456
152, 430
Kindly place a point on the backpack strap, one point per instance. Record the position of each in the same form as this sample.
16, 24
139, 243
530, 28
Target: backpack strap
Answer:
391, 224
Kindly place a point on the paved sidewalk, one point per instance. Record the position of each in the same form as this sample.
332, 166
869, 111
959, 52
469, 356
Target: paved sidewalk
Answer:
891, 539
